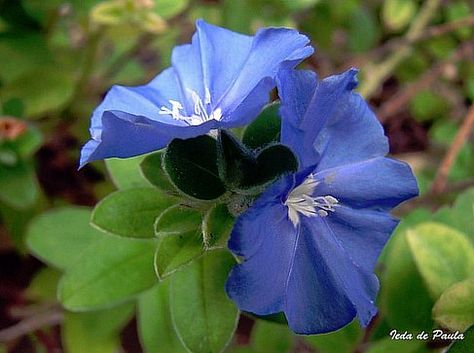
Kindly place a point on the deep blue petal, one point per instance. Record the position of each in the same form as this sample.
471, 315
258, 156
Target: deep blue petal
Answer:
258, 284
143, 101
323, 121
235, 71
213, 59
315, 303
362, 233
231, 65
326, 288
272, 49
250, 107
135, 102
124, 135
353, 134
249, 231
380, 183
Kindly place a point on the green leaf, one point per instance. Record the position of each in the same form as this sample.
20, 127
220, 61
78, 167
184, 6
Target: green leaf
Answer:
131, 212
427, 105
237, 16
95, 332
192, 167
177, 219
216, 227
60, 236
179, 230
457, 10
109, 272
344, 340
274, 161
110, 13
19, 187
460, 215
28, 143
245, 172
265, 129
16, 222
387, 345
296, 5
176, 251
278, 318
13, 107
204, 317
465, 345
8, 158
417, 216
43, 286
271, 337
41, 10
405, 300
125, 173
455, 307
397, 14
42, 90
441, 48
17, 61
152, 170
363, 30
443, 255
237, 164
155, 327
170, 8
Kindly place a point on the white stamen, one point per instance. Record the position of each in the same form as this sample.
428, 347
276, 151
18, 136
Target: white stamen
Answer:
207, 97
203, 111
301, 201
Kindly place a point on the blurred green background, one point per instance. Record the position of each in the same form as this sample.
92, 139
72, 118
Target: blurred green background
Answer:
57, 60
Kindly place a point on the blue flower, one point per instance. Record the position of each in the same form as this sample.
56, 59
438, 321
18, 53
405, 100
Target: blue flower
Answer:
221, 80
310, 242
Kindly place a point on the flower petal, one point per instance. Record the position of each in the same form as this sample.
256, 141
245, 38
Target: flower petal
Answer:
258, 284
231, 65
212, 60
125, 135
380, 183
264, 60
231, 72
362, 233
141, 101
328, 124
314, 301
251, 105
325, 288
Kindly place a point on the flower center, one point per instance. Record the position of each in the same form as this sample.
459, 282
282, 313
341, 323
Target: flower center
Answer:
203, 111
300, 201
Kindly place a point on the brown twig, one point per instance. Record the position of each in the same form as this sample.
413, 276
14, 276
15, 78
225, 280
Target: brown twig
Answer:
377, 73
31, 324
24, 311
448, 27
433, 201
301, 346
397, 103
367, 334
428, 33
442, 174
